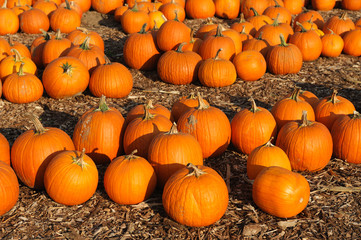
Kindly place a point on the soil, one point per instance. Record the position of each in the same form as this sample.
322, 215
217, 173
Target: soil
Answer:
334, 208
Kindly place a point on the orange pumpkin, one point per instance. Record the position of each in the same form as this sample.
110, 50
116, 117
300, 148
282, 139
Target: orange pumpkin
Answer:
21, 48
243, 25
323, 5
181, 148
200, 9
352, 42
195, 196
46, 6
282, 14
9, 188
256, 44
79, 35
71, 178
55, 48
280, 192
74, 6
133, 19
106, 7
4, 150
65, 19
332, 45
129, 179
172, 10
250, 65
100, 132
294, 6
228, 9
33, 150
339, 25
32, 20
351, 5
183, 104
9, 21
258, 20
308, 14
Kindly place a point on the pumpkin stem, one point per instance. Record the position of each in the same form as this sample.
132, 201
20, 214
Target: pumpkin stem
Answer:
303, 29
176, 16
135, 7
132, 155
241, 18
103, 107
11, 41
79, 160
219, 31
295, 94
46, 35
254, 11
304, 119
243, 30
334, 98
277, 4
173, 129
219, 50
149, 104
21, 71
58, 35
275, 21
193, 170
192, 96
344, 16
147, 114
155, 27
283, 41
331, 31
67, 68
260, 36
254, 107
39, 128
356, 115
67, 5
179, 49
201, 104
17, 57
269, 143
85, 44
84, 30
142, 31
107, 60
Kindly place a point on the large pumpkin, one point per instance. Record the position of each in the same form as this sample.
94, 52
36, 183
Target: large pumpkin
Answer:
195, 196
171, 151
129, 179
33, 150
100, 131
71, 178
9, 188
280, 192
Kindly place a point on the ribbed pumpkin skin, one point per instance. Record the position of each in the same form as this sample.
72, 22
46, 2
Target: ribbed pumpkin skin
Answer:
129, 180
351, 5
178, 67
46, 6
339, 25
210, 126
346, 132
4, 150
195, 201
306, 15
323, 5
200, 8
280, 192
352, 40
55, 48
133, 19
250, 65
11, 65
59, 84
140, 51
105, 7
32, 20
31, 153
65, 19
171, 151
9, 22
258, 5
68, 183
140, 132
112, 80
294, 6
9, 188
100, 131
309, 43
265, 156
332, 107
172, 33
332, 45
252, 128
228, 9
309, 147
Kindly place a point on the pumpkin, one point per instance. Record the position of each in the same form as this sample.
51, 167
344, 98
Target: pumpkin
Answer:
181, 148
244, 36
90, 55
32, 20
194, 44
100, 132
323, 5
252, 127
280, 192
339, 25
211, 45
284, 58
180, 2
200, 9
19, 9
133, 19
243, 25
33, 150
282, 14
352, 42
140, 50
111, 79
12, 64
232, 34
65, 77
259, 20
332, 45
183, 104
205, 28
84, 4
119, 12
140, 132
308, 25
358, 24
21, 48
14, 3
346, 137
228, 9
71, 178
106, 7
74, 6
171, 9
37, 49
129, 179
4, 150
308, 96
294, 6
78, 36
250, 65
178, 67
291, 108
306, 15
55, 48
195, 196
258, 5
332, 107
20, 87
256, 44
308, 42
46, 6
9, 21
264, 156
131, 3
308, 144
217, 72
171, 34
9, 188
156, 19
353, 5
139, 110
209, 125
65, 19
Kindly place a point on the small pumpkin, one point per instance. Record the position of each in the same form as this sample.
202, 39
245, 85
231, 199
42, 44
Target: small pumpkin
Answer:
258, 20
183, 104
133, 19
100, 132
171, 9
71, 178
129, 179
339, 25
294, 6
106, 7
78, 36
9, 21
282, 14
9, 188
4, 150
46, 6
280, 192
250, 65
65, 19
323, 5
308, 14
332, 45
32, 20
351, 5
243, 25
200, 9
195, 196
54, 48
257, 44
21, 48
228, 9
